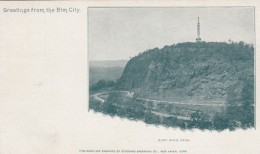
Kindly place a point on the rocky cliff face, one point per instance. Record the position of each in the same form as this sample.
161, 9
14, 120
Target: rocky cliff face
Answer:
190, 71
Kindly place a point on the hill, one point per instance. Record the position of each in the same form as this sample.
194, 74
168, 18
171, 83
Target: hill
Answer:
105, 70
205, 85
205, 72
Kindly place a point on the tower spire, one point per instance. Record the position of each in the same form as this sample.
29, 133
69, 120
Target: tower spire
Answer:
198, 39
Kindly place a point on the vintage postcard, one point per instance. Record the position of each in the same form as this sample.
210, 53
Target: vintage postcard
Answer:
129, 77
186, 67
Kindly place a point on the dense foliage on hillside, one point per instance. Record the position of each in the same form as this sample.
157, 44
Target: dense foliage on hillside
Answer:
206, 85
205, 72
102, 84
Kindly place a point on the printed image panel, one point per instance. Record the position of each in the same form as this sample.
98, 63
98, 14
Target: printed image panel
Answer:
184, 67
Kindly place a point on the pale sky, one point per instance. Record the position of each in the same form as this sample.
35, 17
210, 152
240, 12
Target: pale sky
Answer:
121, 33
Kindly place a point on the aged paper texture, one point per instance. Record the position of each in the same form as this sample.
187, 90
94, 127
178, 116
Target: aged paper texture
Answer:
47, 80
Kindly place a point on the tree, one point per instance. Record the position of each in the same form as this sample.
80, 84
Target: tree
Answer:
241, 109
150, 105
170, 121
109, 108
248, 103
200, 120
151, 118
220, 122
101, 84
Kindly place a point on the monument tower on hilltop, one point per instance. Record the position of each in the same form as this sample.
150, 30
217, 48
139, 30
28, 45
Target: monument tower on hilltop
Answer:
198, 39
